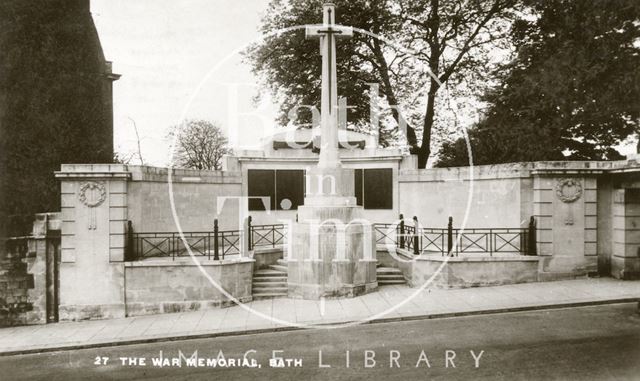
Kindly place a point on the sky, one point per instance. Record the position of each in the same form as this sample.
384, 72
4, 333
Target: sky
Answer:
178, 59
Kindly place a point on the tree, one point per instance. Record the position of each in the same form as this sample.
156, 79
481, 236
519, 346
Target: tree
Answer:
442, 37
571, 92
198, 144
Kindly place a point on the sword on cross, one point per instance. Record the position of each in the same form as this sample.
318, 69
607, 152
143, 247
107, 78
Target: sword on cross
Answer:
327, 34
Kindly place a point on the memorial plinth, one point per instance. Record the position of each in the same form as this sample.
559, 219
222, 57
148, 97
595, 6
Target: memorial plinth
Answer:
333, 248
333, 251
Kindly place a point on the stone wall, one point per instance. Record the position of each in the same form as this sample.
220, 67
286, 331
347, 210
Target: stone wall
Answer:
579, 224
16, 281
463, 271
196, 194
496, 195
24, 267
174, 286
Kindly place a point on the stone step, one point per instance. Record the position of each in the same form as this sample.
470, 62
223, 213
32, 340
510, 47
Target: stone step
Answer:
271, 293
257, 283
276, 287
278, 268
388, 270
269, 296
384, 282
269, 273
268, 290
261, 281
270, 279
390, 276
391, 280
283, 262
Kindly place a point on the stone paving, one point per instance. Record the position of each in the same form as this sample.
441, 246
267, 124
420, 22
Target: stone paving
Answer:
328, 313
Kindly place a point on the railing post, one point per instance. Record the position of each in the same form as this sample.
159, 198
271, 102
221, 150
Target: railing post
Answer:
250, 234
401, 235
129, 254
215, 240
532, 249
416, 237
450, 236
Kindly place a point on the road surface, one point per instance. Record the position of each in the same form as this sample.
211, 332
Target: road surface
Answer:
588, 343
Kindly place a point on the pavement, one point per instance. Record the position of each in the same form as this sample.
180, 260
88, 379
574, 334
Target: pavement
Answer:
390, 303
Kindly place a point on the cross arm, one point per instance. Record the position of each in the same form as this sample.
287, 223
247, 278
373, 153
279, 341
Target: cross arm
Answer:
317, 31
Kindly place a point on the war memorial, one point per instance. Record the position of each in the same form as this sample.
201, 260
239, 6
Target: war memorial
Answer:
292, 189
317, 214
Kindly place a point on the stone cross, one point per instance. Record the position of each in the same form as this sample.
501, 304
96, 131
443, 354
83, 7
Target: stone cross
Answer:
327, 33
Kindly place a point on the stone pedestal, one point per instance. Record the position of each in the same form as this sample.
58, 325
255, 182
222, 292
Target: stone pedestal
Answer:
565, 208
333, 251
94, 216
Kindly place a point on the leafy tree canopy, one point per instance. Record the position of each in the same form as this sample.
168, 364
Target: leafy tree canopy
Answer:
571, 92
412, 39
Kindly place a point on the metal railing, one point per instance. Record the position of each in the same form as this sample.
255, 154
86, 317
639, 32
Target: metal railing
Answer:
453, 242
266, 235
216, 244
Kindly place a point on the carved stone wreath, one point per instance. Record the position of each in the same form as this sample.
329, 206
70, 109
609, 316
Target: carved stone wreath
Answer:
92, 194
568, 190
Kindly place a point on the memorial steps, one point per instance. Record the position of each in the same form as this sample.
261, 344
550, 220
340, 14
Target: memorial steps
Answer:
270, 282
389, 275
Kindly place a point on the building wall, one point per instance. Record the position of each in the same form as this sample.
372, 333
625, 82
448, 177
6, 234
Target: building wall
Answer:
55, 102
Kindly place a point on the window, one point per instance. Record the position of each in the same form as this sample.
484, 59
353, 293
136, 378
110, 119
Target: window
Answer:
374, 188
284, 187
261, 183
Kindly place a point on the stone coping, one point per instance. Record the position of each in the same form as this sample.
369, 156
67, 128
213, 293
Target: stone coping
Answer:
186, 261
437, 257
307, 155
480, 172
147, 173
178, 175
520, 170
519, 258
268, 250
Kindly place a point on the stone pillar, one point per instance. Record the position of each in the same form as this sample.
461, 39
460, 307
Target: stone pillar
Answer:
94, 215
625, 261
565, 207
